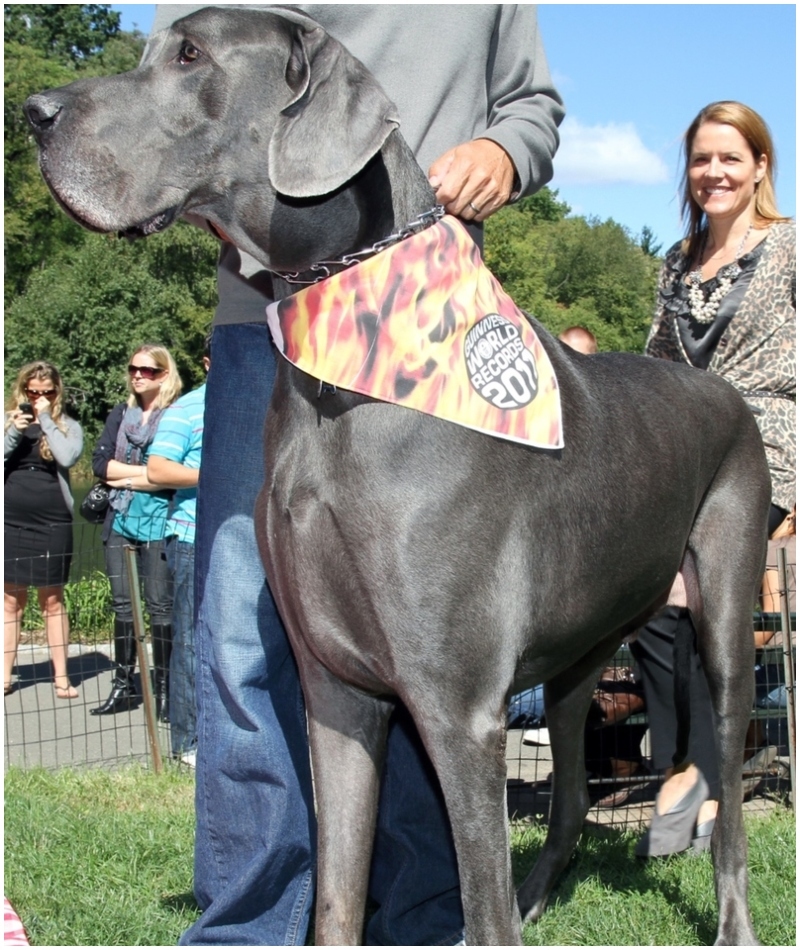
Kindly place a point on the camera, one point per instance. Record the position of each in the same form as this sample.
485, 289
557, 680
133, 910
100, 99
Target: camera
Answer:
27, 408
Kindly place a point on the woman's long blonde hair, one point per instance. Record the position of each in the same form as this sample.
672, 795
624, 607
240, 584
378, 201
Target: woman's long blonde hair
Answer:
39, 370
172, 385
749, 124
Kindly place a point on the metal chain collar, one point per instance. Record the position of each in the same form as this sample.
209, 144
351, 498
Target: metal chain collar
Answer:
323, 269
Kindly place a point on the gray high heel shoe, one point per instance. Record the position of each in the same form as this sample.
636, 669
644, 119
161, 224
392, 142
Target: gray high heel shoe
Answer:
701, 840
673, 831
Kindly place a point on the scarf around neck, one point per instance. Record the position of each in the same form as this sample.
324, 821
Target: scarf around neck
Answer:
424, 324
133, 439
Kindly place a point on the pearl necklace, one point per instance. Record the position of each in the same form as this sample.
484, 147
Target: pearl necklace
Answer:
704, 310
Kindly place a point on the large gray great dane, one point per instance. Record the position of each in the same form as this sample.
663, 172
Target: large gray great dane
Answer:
439, 565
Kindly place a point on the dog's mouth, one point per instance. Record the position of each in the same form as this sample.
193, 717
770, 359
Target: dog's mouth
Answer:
158, 222
152, 225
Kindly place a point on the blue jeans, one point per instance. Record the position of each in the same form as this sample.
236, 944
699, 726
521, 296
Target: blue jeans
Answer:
255, 842
182, 702
525, 710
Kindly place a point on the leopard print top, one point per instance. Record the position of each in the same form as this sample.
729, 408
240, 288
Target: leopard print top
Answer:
757, 351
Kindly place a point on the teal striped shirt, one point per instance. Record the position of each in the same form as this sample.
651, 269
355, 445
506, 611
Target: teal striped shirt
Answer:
180, 439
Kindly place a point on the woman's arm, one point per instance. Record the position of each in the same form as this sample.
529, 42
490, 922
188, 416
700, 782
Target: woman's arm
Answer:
65, 446
770, 603
107, 443
11, 439
170, 474
119, 471
132, 477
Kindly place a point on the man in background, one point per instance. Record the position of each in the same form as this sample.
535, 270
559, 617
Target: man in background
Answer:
174, 462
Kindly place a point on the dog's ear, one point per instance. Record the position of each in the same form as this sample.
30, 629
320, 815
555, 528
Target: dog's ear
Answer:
339, 118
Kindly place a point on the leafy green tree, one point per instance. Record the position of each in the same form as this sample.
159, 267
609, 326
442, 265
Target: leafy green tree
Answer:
87, 311
65, 32
46, 46
573, 271
543, 206
647, 242
35, 228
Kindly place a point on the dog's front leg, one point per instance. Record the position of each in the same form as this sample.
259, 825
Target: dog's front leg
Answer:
468, 753
347, 731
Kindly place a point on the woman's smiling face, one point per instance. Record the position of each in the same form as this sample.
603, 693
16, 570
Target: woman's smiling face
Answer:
723, 172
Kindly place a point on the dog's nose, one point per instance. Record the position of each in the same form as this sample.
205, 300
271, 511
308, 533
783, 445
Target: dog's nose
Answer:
42, 112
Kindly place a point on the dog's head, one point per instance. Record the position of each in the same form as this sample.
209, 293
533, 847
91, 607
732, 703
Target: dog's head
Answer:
230, 114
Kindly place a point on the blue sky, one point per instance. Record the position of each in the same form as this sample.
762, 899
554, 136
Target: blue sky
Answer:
633, 76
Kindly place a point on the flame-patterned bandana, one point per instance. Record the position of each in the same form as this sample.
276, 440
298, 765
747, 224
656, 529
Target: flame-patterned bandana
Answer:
425, 325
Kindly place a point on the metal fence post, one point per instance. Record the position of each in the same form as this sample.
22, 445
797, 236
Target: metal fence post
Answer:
141, 652
788, 665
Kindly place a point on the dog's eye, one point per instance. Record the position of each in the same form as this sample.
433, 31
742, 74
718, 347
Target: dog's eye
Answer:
188, 54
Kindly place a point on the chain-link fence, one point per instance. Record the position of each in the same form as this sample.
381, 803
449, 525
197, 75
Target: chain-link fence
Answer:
44, 728
622, 781
51, 722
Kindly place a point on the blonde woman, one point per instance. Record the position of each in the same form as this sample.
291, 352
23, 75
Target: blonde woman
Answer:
41, 442
137, 515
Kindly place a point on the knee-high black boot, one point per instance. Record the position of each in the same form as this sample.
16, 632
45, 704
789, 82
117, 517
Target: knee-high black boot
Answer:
123, 693
162, 650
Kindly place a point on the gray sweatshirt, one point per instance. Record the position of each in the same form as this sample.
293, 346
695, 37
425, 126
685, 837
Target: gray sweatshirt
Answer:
455, 72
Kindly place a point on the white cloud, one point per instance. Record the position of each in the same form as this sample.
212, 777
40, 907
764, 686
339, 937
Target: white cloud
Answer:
605, 154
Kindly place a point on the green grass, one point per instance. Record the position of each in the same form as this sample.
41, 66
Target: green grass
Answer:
608, 897
96, 858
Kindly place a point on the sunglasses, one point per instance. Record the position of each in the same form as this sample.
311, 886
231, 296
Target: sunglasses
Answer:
40, 392
146, 372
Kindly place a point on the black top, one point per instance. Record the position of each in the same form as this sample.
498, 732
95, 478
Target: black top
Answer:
700, 340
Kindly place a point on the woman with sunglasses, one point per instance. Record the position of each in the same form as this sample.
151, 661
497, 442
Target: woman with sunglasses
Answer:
137, 515
41, 443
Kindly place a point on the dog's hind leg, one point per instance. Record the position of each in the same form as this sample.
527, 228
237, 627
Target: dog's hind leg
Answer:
727, 575
725, 643
347, 733
567, 698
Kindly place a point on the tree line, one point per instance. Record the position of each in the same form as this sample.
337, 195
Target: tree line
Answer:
84, 301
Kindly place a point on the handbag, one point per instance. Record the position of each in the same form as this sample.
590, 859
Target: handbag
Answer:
616, 697
95, 505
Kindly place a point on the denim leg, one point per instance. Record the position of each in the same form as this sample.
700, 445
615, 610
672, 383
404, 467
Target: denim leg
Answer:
182, 703
525, 709
414, 875
254, 849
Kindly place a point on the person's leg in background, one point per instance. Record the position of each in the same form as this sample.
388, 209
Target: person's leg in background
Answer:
15, 597
182, 703
157, 585
123, 690
254, 849
56, 626
653, 650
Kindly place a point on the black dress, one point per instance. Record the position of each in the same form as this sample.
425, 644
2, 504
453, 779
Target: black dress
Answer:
38, 523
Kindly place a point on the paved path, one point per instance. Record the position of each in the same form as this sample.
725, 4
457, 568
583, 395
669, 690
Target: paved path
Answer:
42, 730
